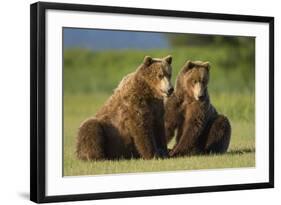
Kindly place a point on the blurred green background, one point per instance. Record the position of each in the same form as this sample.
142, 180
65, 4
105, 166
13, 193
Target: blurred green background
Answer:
96, 60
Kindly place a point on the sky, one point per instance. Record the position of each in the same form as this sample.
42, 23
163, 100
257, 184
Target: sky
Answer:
96, 39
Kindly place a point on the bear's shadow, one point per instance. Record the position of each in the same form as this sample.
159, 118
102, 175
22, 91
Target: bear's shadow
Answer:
230, 152
241, 151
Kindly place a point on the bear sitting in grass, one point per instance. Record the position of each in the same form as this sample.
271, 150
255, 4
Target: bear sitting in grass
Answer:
200, 129
131, 123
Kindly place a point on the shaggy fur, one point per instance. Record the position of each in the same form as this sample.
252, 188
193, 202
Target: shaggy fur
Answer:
131, 123
200, 129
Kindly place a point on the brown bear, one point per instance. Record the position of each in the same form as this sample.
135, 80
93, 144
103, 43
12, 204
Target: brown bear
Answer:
200, 129
131, 123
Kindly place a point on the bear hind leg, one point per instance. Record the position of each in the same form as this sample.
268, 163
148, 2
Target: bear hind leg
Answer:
90, 141
218, 138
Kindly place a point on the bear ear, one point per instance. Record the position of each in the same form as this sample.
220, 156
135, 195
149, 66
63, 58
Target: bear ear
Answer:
169, 59
207, 65
188, 65
147, 60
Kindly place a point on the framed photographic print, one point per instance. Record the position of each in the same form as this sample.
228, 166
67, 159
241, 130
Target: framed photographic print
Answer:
129, 102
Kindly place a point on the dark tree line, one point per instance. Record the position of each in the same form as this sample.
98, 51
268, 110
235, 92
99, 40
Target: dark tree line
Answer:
202, 40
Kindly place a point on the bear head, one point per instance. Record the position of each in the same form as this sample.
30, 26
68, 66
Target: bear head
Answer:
157, 72
193, 80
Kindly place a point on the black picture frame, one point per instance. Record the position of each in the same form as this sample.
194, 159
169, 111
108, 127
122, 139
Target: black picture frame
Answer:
38, 103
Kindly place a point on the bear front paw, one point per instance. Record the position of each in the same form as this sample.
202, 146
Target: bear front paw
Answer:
162, 153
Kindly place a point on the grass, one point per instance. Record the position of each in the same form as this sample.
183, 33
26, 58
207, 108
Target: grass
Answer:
241, 152
229, 160
89, 79
88, 72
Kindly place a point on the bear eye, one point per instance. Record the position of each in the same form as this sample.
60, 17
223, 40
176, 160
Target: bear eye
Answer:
194, 81
160, 76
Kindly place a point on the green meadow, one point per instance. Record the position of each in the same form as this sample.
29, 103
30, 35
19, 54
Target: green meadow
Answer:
90, 77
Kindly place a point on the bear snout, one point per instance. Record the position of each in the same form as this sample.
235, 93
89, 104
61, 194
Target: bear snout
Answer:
170, 91
201, 97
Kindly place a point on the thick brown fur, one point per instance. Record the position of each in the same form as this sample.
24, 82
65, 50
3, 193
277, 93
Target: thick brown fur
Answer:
200, 129
131, 123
